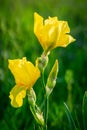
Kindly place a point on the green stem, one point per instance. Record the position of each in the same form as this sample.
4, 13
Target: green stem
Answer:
46, 112
45, 104
43, 79
44, 95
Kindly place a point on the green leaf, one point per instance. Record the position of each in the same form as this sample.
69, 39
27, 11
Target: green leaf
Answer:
84, 110
70, 118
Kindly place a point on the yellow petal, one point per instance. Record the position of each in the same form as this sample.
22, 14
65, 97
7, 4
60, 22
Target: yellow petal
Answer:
38, 23
49, 33
64, 38
51, 21
16, 95
63, 27
25, 73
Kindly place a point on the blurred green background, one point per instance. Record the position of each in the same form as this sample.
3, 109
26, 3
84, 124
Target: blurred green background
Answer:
17, 40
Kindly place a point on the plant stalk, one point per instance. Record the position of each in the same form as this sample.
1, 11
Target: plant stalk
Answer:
46, 111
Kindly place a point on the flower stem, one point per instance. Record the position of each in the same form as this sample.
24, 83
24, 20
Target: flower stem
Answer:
45, 103
43, 79
46, 112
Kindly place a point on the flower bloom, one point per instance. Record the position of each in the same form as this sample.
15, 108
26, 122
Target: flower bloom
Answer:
51, 33
25, 74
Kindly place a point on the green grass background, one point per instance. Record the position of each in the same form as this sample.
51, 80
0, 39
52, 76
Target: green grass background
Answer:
17, 40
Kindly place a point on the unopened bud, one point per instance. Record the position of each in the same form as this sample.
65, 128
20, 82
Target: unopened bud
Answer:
40, 118
31, 97
41, 62
51, 81
38, 115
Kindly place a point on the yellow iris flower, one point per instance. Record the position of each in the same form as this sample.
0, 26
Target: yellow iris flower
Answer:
52, 33
25, 74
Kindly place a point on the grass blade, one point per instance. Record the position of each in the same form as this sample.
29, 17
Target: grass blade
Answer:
70, 119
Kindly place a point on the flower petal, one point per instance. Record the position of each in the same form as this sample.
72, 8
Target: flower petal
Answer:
64, 40
51, 21
63, 27
16, 95
38, 23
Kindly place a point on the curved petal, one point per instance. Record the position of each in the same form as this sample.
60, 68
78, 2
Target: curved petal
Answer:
16, 95
64, 40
